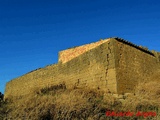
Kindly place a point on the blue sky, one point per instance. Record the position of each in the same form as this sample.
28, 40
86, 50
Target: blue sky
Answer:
33, 31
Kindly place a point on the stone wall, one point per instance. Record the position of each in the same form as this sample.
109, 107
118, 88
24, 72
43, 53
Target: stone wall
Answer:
110, 65
133, 65
93, 69
67, 55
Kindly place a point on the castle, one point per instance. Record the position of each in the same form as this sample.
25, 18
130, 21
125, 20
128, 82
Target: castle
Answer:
112, 65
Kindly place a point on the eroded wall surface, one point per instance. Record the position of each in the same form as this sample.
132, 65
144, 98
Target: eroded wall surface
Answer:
67, 55
132, 66
108, 65
93, 69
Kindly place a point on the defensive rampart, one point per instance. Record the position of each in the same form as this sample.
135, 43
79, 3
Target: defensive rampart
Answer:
111, 65
133, 64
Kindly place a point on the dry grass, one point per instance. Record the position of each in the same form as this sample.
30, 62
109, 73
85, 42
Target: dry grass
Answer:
59, 103
145, 99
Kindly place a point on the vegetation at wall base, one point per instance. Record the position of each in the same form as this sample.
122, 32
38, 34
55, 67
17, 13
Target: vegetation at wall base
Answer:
59, 103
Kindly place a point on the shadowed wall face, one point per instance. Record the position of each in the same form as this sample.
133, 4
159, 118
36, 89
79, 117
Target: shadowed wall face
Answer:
132, 66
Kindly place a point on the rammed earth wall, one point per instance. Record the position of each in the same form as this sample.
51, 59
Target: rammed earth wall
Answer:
109, 65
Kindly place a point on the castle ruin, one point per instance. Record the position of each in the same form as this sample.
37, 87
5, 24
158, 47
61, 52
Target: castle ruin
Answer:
112, 65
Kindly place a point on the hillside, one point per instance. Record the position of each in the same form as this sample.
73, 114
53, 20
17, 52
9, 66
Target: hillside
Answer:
58, 103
